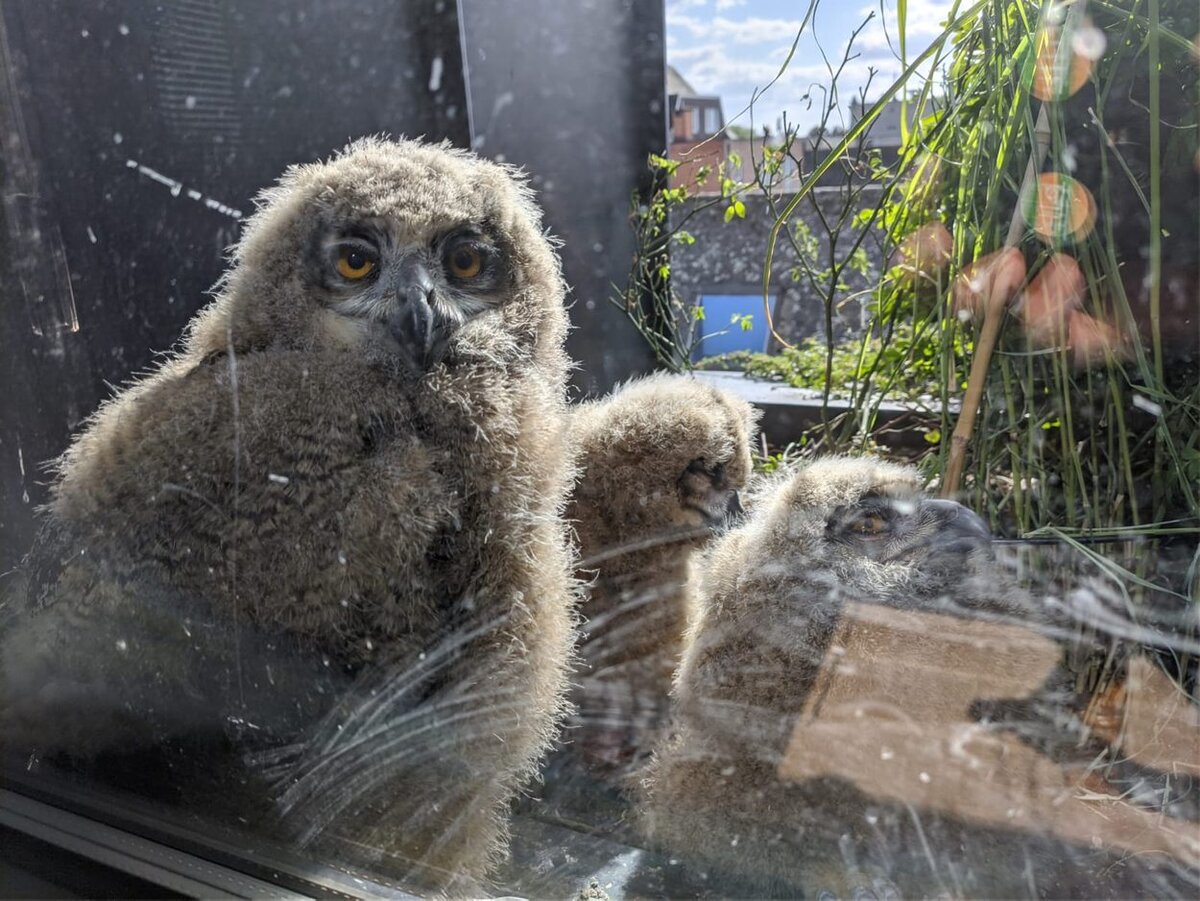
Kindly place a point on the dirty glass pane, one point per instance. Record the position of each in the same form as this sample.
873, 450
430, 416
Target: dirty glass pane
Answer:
699, 449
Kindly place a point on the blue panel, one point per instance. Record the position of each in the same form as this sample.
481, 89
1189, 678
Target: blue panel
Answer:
718, 310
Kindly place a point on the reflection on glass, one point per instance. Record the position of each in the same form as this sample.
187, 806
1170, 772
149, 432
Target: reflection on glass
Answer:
887, 588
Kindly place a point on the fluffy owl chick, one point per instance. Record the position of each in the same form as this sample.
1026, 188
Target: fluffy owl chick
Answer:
356, 460
771, 595
660, 464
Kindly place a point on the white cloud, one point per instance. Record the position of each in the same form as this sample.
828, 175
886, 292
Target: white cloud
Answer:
695, 27
923, 24
800, 90
755, 31
739, 31
723, 5
732, 55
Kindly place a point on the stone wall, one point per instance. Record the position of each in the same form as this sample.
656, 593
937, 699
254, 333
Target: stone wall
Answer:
728, 258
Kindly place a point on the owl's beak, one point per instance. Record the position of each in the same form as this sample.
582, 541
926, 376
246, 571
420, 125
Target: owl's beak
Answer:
723, 510
414, 324
959, 529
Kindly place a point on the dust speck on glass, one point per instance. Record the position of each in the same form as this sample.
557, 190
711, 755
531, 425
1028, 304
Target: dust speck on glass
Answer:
701, 448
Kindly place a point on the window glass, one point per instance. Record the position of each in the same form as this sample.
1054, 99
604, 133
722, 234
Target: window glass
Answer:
790, 489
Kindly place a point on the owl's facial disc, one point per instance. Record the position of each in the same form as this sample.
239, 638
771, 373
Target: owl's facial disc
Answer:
418, 295
886, 529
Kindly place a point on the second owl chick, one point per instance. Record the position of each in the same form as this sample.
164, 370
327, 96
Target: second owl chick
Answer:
660, 464
770, 601
866, 698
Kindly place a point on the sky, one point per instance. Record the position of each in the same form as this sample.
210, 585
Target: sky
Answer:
729, 47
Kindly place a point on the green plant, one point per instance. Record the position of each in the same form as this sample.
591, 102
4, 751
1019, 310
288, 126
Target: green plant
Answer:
669, 325
910, 363
1086, 439
1044, 418
1098, 443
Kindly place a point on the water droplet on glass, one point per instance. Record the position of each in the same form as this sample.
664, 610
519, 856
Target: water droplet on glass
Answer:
435, 74
1144, 403
1068, 158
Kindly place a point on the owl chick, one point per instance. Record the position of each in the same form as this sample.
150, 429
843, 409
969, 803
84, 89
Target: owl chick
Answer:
660, 464
829, 731
772, 593
354, 466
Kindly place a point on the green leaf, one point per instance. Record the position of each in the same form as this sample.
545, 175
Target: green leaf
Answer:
728, 213
661, 162
739, 209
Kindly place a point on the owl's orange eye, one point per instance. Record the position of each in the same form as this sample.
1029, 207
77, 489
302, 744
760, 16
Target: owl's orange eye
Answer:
870, 524
465, 261
355, 263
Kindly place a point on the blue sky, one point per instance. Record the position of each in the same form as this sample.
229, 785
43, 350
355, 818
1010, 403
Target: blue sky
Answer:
729, 47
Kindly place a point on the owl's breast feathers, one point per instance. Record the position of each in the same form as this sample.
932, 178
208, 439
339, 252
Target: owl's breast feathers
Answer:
314, 490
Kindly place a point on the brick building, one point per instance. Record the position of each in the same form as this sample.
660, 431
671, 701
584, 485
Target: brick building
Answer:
697, 132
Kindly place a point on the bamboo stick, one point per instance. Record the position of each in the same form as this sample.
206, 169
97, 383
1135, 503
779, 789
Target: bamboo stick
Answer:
995, 307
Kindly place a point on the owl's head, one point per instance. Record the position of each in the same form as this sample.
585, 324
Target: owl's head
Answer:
400, 252
665, 452
867, 530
